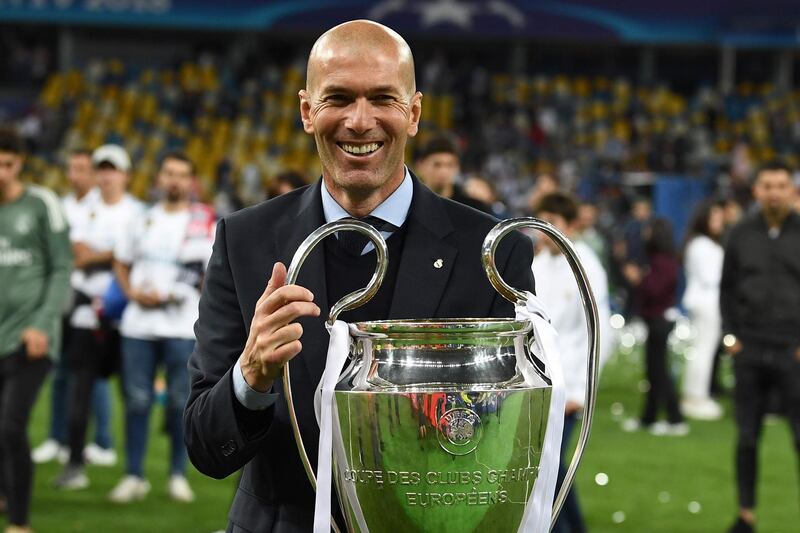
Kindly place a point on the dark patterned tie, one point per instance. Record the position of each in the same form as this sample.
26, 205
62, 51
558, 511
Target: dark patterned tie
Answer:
353, 242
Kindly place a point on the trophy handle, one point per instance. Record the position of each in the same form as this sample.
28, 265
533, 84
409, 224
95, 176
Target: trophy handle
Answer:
592, 323
349, 301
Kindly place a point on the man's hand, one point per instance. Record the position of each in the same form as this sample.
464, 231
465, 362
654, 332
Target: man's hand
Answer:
36, 343
632, 273
572, 407
82, 255
274, 336
147, 299
732, 348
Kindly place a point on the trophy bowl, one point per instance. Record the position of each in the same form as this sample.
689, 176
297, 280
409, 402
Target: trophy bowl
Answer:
439, 424
438, 427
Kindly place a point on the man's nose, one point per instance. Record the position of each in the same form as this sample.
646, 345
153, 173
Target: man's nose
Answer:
360, 118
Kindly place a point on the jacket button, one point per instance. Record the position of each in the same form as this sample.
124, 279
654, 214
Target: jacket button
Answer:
228, 448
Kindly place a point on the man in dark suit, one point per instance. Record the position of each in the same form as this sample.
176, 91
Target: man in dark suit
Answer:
361, 105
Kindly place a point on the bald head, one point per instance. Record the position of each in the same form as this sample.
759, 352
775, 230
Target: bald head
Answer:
360, 38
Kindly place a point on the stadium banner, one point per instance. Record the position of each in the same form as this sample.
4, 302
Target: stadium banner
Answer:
653, 21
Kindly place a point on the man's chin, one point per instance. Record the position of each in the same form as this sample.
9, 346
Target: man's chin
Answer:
359, 180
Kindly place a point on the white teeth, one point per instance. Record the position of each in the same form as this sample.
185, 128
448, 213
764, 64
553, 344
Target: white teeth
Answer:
360, 149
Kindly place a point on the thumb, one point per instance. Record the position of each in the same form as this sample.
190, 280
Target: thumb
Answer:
276, 281
278, 278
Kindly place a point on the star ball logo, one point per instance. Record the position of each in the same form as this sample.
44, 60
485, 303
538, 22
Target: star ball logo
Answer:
460, 431
459, 13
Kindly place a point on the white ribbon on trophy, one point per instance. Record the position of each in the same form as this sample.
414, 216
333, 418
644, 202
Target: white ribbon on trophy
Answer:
324, 408
539, 510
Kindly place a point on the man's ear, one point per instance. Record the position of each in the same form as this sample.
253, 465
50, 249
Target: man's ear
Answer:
416, 112
305, 111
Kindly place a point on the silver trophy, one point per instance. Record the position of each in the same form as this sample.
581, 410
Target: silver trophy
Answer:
439, 423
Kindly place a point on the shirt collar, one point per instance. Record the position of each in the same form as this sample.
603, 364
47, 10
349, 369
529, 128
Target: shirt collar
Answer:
393, 210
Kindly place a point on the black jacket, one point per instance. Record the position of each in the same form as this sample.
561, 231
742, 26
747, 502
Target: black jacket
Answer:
221, 435
760, 287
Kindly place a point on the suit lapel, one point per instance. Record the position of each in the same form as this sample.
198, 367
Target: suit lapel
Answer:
426, 260
426, 263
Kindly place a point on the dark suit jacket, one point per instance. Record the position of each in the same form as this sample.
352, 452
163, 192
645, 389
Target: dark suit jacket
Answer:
222, 436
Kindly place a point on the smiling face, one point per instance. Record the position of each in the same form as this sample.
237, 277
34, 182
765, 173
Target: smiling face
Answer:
361, 107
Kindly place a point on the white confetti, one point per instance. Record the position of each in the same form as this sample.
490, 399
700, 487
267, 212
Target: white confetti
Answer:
618, 517
601, 479
694, 507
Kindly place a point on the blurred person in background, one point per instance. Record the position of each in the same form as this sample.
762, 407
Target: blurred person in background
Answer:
587, 232
759, 300
77, 205
483, 190
544, 184
732, 214
438, 167
655, 285
160, 264
35, 264
627, 252
286, 181
561, 297
92, 338
703, 268
634, 231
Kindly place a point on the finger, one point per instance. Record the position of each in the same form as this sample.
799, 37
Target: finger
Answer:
285, 335
276, 281
287, 352
285, 295
289, 313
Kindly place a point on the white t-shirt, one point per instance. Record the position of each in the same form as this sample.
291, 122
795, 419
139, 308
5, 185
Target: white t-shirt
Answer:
703, 264
558, 290
77, 211
102, 228
168, 253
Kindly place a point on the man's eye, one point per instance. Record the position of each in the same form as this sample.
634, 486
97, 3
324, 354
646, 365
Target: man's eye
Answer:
382, 98
336, 98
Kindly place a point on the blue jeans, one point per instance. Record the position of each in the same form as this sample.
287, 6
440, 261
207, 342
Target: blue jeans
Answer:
139, 360
101, 408
571, 519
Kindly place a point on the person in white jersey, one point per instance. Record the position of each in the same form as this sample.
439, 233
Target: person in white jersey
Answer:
92, 338
559, 292
160, 266
77, 205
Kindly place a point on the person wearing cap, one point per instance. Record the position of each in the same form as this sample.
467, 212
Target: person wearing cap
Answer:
92, 338
35, 263
160, 264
